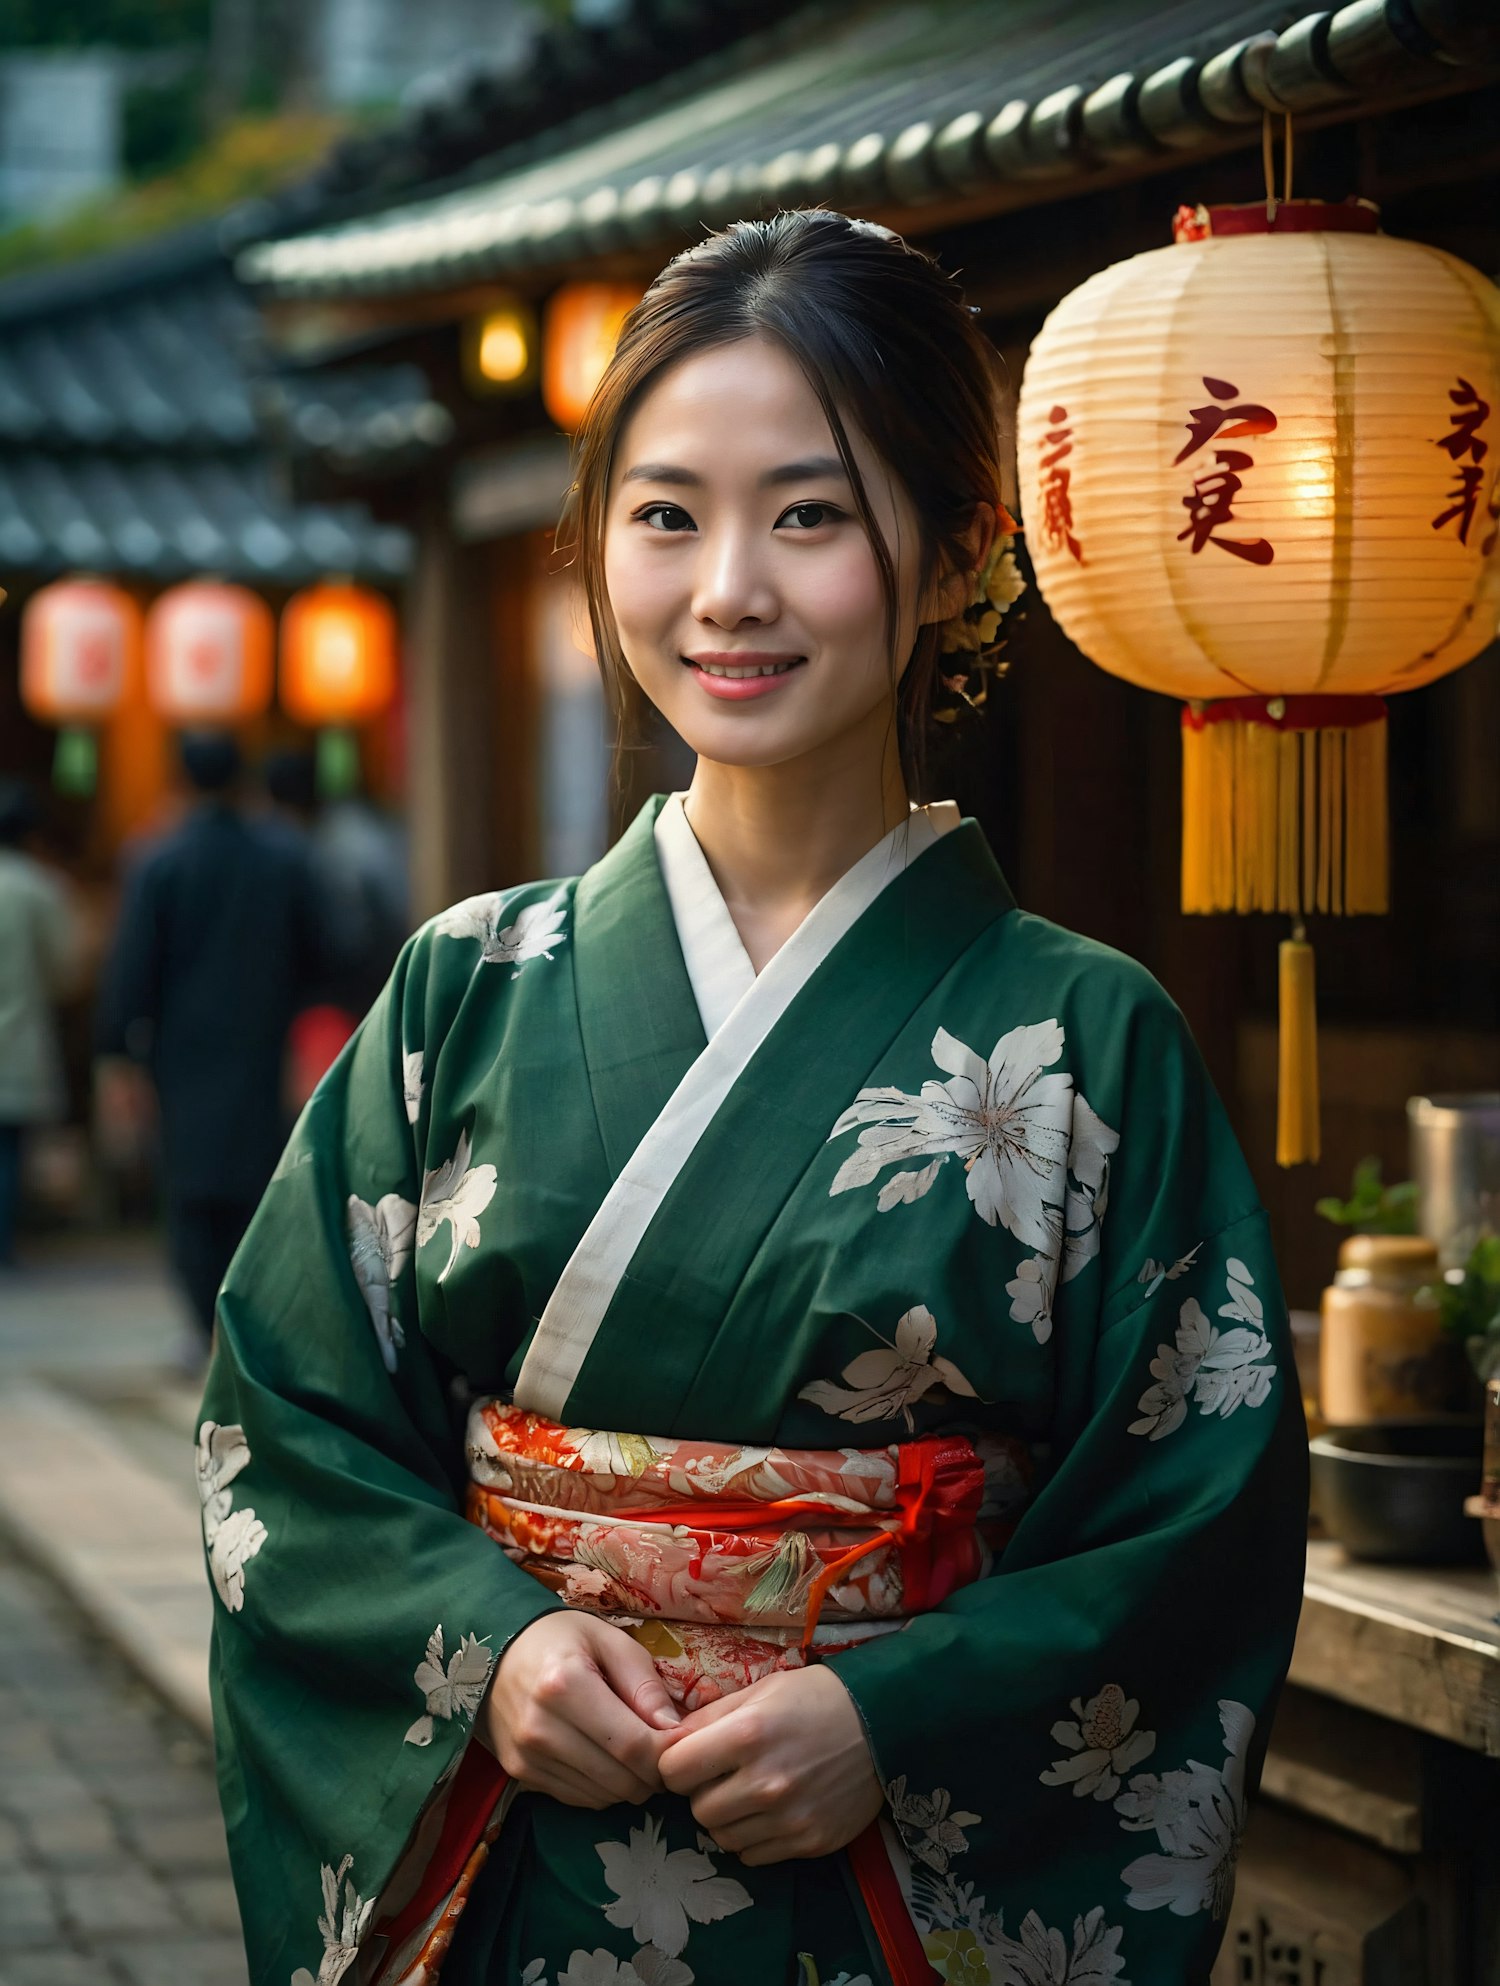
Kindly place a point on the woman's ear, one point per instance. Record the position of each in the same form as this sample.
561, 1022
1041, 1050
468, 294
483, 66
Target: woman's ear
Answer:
952, 588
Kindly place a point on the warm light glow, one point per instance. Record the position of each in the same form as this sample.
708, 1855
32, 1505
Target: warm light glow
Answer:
584, 321
1266, 463
208, 654
499, 348
78, 638
338, 654
503, 352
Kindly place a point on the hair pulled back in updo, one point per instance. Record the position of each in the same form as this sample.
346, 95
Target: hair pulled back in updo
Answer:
890, 348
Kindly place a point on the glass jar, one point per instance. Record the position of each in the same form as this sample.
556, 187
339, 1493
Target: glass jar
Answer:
1384, 1355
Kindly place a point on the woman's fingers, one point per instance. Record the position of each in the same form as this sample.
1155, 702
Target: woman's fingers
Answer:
632, 1675
716, 1746
553, 1708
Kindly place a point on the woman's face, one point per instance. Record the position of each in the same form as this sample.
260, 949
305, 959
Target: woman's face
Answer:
745, 592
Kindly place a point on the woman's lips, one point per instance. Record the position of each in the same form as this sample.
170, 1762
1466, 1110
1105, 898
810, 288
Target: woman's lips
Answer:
734, 678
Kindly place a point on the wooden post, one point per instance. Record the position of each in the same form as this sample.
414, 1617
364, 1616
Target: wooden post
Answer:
452, 716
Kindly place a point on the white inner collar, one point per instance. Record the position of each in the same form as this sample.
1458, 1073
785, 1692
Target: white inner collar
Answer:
718, 966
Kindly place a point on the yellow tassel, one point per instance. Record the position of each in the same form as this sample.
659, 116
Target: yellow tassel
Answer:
1195, 895
1284, 820
1297, 1141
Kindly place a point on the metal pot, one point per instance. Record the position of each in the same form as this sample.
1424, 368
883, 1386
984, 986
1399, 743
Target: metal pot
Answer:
1455, 1160
1397, 1492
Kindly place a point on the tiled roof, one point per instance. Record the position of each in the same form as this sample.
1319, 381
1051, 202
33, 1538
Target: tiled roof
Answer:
165, 517
128, 434
886, 106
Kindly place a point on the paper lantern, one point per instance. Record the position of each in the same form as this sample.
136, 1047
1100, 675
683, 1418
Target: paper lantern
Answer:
500, 348
208, 654
584, 321
1257, 473
79, 641
338, 668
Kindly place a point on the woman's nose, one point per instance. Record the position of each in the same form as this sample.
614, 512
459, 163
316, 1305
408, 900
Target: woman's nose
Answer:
731, 584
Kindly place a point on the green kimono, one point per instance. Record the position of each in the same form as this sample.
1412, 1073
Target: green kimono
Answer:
942, 1168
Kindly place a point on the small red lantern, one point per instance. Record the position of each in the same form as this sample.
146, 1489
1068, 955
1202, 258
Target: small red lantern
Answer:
79, 643
208, 654
584, 321
338, 668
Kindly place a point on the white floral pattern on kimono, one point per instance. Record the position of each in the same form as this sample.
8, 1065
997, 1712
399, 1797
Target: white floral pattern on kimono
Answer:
232, 1537
657, 1891
1104, 1744
454, 1691
535, 933
647, 1967
932, 1830
341, 1936
962, 1938
412, 1084
1198, 1816
879, 1385
1035, 1153
380, 1242
1221, 1370
458, 1193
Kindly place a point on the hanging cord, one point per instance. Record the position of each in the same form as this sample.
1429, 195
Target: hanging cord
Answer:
1268, 162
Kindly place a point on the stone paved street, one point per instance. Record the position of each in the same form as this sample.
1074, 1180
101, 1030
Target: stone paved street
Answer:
112, 1861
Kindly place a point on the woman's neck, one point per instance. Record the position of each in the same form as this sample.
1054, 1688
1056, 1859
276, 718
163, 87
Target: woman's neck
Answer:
777, 838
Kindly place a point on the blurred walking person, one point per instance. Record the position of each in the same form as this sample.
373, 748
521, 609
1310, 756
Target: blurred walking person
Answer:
38, 953
216, 950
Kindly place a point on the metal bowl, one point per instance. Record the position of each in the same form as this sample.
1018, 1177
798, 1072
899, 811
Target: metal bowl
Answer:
1396, 1492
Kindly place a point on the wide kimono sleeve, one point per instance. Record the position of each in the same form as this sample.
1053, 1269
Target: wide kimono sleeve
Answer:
1067, 1745
357, 1615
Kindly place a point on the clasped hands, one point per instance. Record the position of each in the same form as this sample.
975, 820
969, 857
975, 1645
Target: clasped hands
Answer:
780, 1771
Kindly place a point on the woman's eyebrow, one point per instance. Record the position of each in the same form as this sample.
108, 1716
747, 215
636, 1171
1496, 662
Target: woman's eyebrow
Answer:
785, 472
804, 472
661, 472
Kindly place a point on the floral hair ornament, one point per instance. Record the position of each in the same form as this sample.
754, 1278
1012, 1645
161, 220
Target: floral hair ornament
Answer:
975, 631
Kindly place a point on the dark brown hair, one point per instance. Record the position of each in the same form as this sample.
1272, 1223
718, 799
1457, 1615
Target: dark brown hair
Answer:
889, 347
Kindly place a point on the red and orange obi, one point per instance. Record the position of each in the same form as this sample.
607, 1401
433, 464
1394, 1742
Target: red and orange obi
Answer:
727, 1563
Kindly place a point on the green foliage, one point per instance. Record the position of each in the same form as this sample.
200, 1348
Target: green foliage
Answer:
163, 124
111, 23
1469, 1304
1372, 1207
254, 155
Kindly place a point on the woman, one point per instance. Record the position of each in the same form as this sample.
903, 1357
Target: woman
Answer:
883, 1468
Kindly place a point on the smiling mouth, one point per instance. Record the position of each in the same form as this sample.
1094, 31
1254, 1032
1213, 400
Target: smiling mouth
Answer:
742, 671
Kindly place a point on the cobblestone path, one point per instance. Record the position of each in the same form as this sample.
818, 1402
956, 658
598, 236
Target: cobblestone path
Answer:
112, 1861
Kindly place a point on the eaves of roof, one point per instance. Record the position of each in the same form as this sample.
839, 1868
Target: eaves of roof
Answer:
891, 106
164, 518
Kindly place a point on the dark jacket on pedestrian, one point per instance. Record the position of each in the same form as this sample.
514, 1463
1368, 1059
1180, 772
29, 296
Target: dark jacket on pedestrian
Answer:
217, 948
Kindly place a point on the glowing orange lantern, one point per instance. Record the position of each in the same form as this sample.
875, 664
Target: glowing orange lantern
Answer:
208, 653
80, 640
1258, 470
338, 668
584, 321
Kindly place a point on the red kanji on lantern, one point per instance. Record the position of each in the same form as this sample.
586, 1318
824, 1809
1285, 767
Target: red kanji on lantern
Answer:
1204, 423
1210, 503
1469, 416
1057, 504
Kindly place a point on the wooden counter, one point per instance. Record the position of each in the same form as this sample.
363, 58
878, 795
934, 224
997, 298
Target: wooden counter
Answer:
1419, 1645
1369, 1859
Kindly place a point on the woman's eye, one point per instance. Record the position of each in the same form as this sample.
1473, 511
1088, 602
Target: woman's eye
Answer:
808, 516
665, 517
